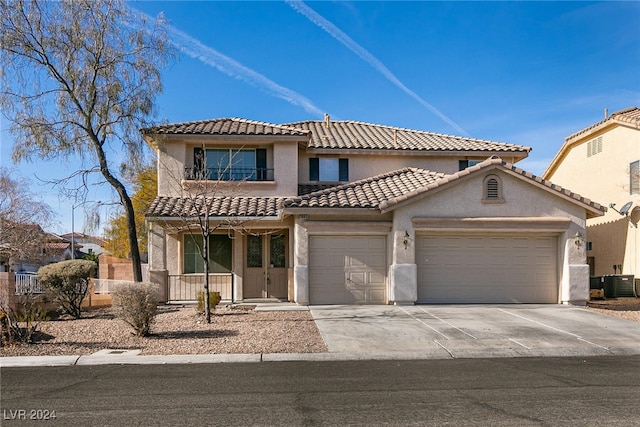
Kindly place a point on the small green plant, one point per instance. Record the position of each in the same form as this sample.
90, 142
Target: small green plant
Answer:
68, 283
136, 304
214, 300
19, 326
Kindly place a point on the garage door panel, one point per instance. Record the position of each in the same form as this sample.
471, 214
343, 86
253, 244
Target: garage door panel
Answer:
347, 269
486, 269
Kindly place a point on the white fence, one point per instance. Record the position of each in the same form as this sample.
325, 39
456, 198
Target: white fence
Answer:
27, 284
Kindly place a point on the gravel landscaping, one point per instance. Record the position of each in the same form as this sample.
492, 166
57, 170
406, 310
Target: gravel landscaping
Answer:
179, 330
625, 308
233, 329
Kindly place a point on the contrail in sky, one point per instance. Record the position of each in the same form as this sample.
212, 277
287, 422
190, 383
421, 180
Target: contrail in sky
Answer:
347, 41
196, 49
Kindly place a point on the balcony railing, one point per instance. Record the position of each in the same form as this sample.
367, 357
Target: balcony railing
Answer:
185, 287
192, 173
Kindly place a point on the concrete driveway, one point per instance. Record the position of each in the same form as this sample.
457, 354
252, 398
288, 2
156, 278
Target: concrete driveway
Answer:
472, 331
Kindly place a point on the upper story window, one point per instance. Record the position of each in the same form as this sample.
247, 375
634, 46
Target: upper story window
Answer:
492, 189
328, 169
594, 146
634, 177
463, 164
229, 164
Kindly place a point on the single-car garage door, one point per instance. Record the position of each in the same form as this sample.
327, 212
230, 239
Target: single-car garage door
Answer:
347, 269
487, 269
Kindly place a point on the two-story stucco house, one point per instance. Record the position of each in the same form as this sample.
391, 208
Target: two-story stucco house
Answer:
345, 212
602, 162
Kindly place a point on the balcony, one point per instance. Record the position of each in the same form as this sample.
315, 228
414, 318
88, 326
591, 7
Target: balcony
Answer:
193, 173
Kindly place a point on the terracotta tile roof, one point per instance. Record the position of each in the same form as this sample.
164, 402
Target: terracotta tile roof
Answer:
367, 193
387, 191
60, 246
224, 126
359, 135
189, 207
312, 188
340, 135
629, 115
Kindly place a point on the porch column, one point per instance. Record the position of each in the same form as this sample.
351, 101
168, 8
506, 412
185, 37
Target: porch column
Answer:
300, 263
403, 271
158, 272
574, 287
238, 265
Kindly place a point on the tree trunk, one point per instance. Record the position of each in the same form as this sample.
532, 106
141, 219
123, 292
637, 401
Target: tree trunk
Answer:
128, 208
207, 303
133, 238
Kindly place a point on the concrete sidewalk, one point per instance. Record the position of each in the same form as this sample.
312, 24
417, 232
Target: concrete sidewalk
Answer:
418, 332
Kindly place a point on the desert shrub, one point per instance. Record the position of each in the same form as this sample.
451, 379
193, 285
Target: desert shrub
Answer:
20, 324
68, 283
136, 304
214, 300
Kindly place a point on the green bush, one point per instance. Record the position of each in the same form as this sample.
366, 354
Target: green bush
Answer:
19, 326
136, 304
68, 283
214, 300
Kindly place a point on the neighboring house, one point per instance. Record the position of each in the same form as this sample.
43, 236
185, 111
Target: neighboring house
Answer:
602, 162
344, 212
47, 248
85, 244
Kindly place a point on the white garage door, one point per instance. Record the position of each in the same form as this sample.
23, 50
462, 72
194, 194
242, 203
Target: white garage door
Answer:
487, 269
347, 269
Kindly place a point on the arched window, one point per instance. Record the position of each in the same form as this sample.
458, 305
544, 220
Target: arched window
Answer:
492, 189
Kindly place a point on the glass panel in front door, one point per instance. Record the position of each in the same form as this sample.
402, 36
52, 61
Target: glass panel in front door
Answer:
277, 251
254, 251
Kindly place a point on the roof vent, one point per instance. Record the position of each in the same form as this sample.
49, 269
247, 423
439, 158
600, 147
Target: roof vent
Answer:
327, 120
606, 113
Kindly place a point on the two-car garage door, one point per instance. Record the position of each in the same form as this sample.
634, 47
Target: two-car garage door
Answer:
451, 269
347, 269
487, 269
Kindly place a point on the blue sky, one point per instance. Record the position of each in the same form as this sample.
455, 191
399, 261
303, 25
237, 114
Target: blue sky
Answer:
527, 73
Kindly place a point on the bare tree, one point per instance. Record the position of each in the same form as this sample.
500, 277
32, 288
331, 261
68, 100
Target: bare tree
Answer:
207, 186
22, 219
79, 80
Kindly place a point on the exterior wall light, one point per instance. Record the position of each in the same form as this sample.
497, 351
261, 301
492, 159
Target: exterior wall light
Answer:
578, 239
406, 239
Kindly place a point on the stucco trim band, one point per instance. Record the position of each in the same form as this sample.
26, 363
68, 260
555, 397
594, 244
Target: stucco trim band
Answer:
545, 224
348, 227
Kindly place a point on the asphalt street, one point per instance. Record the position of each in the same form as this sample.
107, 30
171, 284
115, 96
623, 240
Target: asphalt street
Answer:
504, 391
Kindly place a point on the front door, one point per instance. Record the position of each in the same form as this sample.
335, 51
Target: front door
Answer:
266, 266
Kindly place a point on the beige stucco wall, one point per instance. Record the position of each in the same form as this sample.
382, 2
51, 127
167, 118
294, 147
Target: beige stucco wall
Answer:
174, 155
604, 178
522, 199
370, 164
